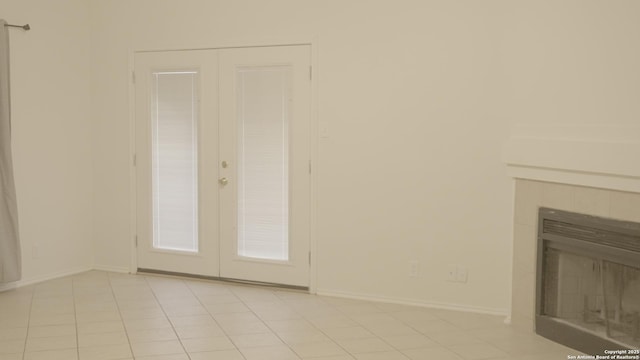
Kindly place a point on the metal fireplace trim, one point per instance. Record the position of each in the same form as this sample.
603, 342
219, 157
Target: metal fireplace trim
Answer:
612, 240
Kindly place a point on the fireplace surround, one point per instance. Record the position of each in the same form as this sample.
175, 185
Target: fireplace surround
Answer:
582, 168
588, 281
530, 196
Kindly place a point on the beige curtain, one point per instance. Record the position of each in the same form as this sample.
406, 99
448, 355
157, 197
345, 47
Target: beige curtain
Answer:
10, 258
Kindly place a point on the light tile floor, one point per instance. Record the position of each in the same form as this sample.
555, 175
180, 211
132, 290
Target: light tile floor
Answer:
107, 316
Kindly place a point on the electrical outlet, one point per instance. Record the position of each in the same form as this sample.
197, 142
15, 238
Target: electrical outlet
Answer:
452, 272
414, 267
461, 275
457, 273
324, 129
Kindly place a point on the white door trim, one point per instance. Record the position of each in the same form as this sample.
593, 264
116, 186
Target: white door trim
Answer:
313, 144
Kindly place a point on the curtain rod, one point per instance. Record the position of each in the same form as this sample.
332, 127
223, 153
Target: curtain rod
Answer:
24, 27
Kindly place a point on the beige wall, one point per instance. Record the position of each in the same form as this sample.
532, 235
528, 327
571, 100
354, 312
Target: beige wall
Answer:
572, 62
50, 84
411, 168
418, 98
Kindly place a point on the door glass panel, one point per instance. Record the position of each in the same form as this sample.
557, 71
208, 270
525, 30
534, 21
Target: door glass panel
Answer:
174, 161
263, 95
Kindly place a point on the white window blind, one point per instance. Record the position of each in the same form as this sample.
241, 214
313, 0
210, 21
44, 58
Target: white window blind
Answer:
175, 161
263, 161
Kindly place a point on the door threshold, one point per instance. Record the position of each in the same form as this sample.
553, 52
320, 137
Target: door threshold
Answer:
223, 279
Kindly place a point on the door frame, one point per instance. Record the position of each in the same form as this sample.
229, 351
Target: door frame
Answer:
313, 145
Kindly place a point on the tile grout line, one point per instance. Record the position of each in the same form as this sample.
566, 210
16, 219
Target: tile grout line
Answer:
115, 300
364, 327
265, 322
75, 316
167, 316
445, 346
314, 326
216, 321
26, 338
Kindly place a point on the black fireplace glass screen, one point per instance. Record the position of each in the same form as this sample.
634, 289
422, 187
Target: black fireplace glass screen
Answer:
595, 295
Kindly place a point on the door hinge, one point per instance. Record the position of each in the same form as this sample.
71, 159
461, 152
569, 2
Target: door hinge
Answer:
309, 257
309, 166
136, 240
135, 160
133, 77
310, 72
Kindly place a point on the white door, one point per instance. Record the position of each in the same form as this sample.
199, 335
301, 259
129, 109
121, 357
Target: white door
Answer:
222, 148
265, 107
176, 161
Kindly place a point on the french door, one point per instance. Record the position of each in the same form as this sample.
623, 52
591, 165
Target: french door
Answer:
222, 149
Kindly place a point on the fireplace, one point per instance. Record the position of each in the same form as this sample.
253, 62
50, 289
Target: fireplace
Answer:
588, 281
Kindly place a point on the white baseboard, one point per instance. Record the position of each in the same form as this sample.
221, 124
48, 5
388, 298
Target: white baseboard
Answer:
321, 292
412, 302
115, 269
60, 274
42, 278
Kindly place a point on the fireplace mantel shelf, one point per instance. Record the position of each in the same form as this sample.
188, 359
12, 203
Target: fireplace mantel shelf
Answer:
595, 156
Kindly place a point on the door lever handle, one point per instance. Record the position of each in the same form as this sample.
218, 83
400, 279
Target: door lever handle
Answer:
223, 181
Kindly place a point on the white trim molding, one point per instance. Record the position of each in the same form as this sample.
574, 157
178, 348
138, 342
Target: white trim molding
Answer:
113, 269
43, 278
587, 155
414, 302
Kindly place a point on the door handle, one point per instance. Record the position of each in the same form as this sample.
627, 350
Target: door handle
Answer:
223, 181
